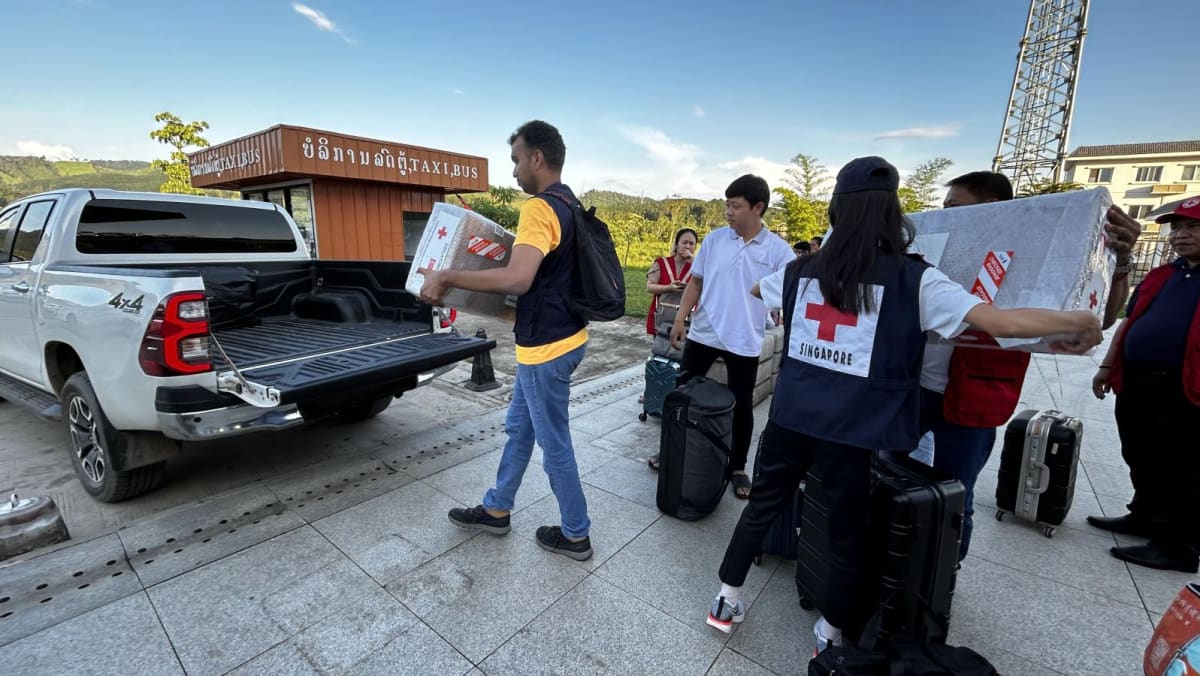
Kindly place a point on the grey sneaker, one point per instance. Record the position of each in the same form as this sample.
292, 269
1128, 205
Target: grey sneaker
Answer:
723, 615
477, 518
551, 539
822, 641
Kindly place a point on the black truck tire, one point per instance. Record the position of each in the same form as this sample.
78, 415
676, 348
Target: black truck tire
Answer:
364, 411
93, 442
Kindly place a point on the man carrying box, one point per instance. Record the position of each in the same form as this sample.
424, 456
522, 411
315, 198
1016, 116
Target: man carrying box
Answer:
550, 340
962, 416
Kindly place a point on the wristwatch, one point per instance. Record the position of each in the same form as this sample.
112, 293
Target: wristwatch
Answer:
1124, 269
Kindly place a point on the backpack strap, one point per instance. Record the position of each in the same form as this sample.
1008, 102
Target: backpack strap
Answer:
667, 265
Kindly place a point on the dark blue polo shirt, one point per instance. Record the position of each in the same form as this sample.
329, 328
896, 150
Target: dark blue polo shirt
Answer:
1158, 338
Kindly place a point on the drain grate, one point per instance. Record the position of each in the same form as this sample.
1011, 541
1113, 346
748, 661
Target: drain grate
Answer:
610, 388
187, 538
298, 497
47, 589
439, 448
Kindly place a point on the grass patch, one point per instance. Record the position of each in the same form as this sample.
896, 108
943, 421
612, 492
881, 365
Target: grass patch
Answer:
637, 301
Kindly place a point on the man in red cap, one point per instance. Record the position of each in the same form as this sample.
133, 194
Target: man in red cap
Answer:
1153, 365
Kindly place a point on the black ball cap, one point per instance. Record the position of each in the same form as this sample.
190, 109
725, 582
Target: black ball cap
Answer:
867, 173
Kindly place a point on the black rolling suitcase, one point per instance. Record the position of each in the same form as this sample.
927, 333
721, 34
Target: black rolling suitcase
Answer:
917, 525
912, 549
812, 547
661, 376
1038, 467
693, 451
783, 538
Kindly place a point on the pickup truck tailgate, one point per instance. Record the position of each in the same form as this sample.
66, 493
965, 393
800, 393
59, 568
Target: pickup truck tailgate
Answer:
323, 375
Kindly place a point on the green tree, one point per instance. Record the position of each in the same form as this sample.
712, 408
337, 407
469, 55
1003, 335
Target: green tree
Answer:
805, 210
503, 195
175, 133
1048, 186
920, 188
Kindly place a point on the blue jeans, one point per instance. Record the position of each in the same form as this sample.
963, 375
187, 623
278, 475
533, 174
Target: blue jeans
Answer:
962, 453
538, 412
924, 452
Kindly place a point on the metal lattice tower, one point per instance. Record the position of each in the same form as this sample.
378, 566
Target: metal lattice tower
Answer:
1033, 142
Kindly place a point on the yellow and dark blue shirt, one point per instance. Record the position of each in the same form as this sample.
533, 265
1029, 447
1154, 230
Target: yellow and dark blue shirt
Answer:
545, 329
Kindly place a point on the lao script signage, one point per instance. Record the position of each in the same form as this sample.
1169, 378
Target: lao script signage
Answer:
284, 150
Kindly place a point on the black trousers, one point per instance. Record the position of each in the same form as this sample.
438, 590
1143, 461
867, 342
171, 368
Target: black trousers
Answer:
845, 472
1160, 441
743, 371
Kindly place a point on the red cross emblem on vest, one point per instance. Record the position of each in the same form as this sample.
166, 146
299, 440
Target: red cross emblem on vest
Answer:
829, 319
441, 233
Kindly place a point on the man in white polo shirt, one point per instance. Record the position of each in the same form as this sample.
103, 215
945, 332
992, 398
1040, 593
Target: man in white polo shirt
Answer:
728, 322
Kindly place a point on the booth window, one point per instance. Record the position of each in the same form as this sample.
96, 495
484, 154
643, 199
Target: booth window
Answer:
297, 200
414, 227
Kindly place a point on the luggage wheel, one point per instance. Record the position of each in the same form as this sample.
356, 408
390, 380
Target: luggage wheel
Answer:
807, 603
1000, 514
642, 416
1048, 531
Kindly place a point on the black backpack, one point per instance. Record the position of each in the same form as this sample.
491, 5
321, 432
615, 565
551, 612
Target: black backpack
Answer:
599, 282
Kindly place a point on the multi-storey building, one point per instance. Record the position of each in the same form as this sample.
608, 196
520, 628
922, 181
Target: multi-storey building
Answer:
1140, 176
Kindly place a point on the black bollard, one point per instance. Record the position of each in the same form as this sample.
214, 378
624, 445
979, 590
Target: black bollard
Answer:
483, 376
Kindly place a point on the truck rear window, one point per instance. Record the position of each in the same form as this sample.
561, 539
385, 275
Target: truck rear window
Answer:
141, 227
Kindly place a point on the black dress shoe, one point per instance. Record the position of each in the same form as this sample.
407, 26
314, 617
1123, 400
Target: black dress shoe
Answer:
1153, 556
1127, 524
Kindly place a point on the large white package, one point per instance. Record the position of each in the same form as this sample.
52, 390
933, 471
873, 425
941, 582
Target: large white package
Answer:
460, 239
1047, 251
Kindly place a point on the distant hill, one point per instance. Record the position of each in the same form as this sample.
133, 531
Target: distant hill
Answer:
26, 175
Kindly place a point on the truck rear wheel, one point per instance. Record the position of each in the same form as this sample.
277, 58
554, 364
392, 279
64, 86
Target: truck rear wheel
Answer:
94, 442
365, 411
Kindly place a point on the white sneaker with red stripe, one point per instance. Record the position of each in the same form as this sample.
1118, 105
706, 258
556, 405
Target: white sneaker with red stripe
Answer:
723, 615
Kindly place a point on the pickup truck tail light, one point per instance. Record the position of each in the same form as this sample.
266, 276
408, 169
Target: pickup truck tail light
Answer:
177, 340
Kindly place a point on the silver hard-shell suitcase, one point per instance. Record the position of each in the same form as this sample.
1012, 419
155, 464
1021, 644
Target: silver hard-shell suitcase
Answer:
1038, 467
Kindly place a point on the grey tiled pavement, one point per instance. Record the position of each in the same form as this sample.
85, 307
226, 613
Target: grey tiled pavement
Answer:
368, 576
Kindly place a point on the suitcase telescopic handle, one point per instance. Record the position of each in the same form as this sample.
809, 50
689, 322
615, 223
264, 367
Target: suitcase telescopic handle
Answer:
1043, 478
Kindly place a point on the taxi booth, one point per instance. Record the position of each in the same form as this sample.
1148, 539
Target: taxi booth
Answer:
354, 198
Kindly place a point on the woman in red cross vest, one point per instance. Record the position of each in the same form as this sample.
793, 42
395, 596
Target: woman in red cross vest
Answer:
855, 317
666, 280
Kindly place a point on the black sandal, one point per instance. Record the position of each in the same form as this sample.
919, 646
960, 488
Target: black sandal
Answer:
653, 462
741, 482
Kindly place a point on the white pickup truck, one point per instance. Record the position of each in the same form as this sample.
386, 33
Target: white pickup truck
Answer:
141, 320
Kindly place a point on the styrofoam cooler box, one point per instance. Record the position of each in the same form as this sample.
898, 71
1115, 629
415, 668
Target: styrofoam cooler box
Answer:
460, 239
1047, 251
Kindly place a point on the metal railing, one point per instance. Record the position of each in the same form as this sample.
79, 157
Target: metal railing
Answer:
1149, 253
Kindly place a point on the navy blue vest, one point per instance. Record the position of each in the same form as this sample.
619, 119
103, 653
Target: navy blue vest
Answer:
842, 386
542, 314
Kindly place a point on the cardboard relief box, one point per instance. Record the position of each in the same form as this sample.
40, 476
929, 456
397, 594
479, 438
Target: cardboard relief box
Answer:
1047, 252
460, 239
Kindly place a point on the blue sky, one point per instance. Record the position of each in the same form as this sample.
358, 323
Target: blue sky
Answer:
653, 98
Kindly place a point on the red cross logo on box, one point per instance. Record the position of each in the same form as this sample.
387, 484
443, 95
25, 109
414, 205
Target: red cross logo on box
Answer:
441, 233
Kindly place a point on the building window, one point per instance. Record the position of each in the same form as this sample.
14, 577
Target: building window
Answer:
1191, 172
297, 201
1149, 173
1100, 175
1138, 210
414, 227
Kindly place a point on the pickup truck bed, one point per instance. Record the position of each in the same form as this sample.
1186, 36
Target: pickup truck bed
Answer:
290, 338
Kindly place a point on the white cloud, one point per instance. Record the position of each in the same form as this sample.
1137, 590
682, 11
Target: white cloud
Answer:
773, 171
322, 22
941, 131
668, 166
698, 111
47, 150
456, 90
